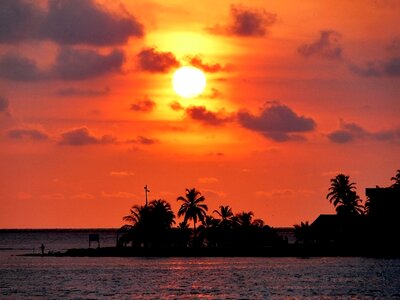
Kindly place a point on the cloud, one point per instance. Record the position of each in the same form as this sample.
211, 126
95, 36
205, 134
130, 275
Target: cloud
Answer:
53, 196
82, 137
370, 69
213, 194
121, 174
154, 61
65, 22
279, 193
83, 196
197, 62
246, 22
4, 105
389, 68
326, 46
72, 92
19, 20
207, 180
76, 64
176, 106
143, 140
84, 22
18, 68
350, 132
22, 133
394, 46
200, 113
277, 122
70, 64
145, 105
119, 195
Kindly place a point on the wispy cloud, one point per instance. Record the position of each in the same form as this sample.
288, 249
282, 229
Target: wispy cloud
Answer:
246, 22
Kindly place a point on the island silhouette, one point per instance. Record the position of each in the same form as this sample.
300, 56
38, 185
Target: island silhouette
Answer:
371, 229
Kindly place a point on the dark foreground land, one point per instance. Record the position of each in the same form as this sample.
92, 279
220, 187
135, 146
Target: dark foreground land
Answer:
295, 250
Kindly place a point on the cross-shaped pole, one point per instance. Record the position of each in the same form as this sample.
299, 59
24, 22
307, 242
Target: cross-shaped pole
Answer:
146, 191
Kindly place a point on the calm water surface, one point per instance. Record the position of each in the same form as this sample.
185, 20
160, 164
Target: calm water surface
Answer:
193, 278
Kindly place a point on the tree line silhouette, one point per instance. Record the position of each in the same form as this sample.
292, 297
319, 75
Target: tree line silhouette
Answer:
375, 223
154, 225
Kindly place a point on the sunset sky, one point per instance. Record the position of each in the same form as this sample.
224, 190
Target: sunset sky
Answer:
296, 93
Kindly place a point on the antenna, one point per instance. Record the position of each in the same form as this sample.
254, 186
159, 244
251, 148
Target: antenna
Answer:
146, 191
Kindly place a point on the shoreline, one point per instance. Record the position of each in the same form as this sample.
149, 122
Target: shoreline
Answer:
276, 251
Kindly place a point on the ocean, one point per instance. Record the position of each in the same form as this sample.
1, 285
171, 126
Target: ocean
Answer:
24, 277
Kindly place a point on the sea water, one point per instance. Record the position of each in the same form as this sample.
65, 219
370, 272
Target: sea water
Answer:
23, 277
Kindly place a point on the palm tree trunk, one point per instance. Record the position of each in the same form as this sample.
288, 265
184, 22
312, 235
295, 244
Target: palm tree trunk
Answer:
194, 232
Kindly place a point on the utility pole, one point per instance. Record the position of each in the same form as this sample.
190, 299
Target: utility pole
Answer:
146, 191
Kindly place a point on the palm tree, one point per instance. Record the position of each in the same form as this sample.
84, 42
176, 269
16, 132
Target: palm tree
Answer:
148, 224
244, 219
162, 214
226, 214
396, 180
192, 207
138, 214
138, 222
344, 197
302, 232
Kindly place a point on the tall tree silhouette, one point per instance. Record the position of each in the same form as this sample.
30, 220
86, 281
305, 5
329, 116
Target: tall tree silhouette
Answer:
244, 219
344, 197
149, 224
396, 179
162, 215
192, 207
226, 214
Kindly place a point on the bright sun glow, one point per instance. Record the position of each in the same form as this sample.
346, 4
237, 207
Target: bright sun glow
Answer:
188, 82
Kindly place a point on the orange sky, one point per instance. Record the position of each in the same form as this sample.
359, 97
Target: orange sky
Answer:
295, 94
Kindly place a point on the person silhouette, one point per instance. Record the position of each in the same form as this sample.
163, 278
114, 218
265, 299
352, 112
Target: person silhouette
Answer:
42, 248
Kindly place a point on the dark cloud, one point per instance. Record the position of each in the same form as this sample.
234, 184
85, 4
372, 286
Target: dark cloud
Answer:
72, 92
176, 106
370, 69
154, 61
326, 46
394, 46
18, 68
19, 20
145, 105
143, 141
246, 22
33, 134
65, 22
387, 135
197, 62
200, 113
4, 105
341, 136
77, 64
277, 122
350, 132
389, 68
70, 64
82, 137
84, 22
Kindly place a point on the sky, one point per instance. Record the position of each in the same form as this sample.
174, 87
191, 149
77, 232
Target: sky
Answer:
296, 94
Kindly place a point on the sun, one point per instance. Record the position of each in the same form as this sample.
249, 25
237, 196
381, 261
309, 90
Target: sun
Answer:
188, 81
